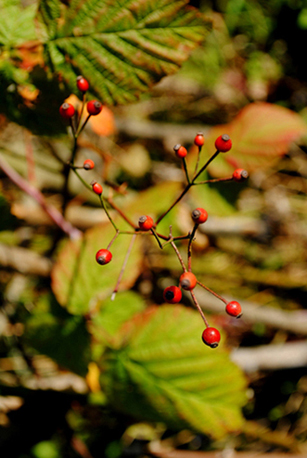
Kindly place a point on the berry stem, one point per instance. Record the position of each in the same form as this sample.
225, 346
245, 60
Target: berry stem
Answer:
123, 267
120, 212
212, 292
205, 166
80, 115
113, 240
107, 213
175, 203
80, 178
83, 125
179, 256
156, 237
198, 159
215, 180
186, 170
199, 308
190, 247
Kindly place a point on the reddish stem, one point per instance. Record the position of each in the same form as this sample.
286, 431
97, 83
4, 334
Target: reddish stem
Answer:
212, 292
179, 256
199, 308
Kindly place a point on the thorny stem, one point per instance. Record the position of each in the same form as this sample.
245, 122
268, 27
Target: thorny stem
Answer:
212, 292
123, 267
199, 308
190, 247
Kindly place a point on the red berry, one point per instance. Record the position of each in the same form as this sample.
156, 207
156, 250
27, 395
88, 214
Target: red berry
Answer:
187, 281
199, 139
82, 84
146, 223
211, 337
67, 110
94, 107
88, 164
97, 188
240, 175
103, 257
180, 151
172, 294
233, 308
223, 143
199, 215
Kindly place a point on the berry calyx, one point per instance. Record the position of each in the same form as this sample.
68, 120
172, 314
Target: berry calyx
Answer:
199, 215
97, 188
172, 294
211, 337
94, 107
180, 151
223, 143
187, 281
145, 223
103, 256
82, 84
233, 308
240, 175
67, 110
88, 164
199, 139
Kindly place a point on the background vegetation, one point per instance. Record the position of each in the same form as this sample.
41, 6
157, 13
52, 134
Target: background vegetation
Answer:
81, 375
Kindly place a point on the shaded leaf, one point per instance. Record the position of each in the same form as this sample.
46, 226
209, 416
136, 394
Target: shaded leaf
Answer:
79, 282
260, 134
60, 336
121, 48
161, 371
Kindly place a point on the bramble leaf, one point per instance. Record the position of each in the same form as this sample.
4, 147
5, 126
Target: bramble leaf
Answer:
161, 371
79, 282
121, 48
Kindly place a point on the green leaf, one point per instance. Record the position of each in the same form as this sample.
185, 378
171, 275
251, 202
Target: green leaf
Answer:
62, 337
122, 48
161, 371
16, 23
79, 282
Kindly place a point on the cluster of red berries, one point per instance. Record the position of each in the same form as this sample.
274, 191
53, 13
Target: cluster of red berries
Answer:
187, 281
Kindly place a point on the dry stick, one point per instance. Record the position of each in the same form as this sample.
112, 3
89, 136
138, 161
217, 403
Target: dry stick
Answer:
212, 292
199, 308
52, 212
123, 267
190, 247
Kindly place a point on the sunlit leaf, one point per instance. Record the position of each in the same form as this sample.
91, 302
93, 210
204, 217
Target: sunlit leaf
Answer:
260, 134
79, 282
121, 48
161, 371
